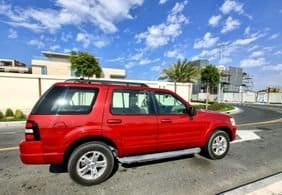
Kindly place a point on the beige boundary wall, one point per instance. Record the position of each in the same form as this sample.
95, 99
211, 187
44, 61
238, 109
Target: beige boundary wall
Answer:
21, 91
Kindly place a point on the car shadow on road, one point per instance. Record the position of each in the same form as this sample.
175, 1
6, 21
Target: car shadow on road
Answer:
58, 169
63, 169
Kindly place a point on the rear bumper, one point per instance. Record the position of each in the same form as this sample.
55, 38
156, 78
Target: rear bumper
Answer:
32, 153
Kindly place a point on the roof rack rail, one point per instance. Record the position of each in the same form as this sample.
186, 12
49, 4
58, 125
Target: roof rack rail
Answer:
109, 82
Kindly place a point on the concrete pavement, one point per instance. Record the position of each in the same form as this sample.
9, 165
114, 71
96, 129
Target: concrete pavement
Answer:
271, 185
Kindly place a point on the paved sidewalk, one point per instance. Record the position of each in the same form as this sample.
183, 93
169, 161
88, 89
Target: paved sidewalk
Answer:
271, 185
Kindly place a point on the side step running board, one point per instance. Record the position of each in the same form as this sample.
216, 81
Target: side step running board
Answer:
158, 156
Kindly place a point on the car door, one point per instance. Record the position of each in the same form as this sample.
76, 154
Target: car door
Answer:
131, 119
176, 129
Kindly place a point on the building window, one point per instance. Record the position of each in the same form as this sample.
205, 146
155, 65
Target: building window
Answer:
44, 70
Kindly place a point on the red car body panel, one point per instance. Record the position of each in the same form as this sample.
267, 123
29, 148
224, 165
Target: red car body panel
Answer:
130, 134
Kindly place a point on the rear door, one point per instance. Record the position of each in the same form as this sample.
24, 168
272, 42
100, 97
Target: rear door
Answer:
130, 117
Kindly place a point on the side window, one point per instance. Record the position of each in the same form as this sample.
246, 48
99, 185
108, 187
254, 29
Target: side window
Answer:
66, 100
130, 102
168, 104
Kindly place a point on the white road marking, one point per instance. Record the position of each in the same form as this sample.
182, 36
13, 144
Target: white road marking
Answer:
9, 149
247, 135
8, 133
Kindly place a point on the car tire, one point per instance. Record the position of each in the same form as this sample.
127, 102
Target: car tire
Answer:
91, 163
217, 145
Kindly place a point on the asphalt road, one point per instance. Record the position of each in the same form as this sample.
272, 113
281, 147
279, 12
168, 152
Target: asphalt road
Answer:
246, 162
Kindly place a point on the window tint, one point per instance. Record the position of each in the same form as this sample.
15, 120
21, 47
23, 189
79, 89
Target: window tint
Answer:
66, 100
130, 102
168, 104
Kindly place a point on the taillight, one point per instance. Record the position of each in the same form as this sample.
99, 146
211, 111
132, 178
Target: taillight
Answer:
31, 131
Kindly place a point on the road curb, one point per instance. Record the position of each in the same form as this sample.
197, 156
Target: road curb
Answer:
236, 110
12, 124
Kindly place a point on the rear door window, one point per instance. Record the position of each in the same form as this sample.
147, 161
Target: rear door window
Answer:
131, 102
66, 100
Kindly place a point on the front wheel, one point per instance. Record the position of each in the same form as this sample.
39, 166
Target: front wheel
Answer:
91, 163
217, 145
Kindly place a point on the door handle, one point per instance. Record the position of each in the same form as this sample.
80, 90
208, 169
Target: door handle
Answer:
114, 121
166, 121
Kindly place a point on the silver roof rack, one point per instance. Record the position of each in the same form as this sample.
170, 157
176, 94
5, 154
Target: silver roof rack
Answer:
107, 82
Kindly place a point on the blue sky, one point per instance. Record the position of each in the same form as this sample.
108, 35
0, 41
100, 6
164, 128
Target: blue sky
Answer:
144, 37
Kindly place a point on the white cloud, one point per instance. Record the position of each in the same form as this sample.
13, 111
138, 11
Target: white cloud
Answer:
231, 6
207, 41
253, 48
156, 68
214, 20
87, 39
256, 54
69, 50
66, 36
247, 30
148, 61
207, 54
103, 14
117, 59
278, 53
274, 36
248, 40
12, 34
160, 35
277, 67
230, 25
162, 1
141, 62
174, 54
55, 47
83, 38
250, 62
37, 43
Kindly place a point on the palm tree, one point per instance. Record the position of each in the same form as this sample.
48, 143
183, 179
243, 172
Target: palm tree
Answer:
181, 71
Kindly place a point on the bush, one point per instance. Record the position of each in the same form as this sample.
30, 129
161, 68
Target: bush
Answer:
9, 112
215, 107
1, 115
19, 115
199, 106
220, 107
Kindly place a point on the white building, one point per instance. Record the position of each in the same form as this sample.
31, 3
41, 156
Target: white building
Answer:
14, 66
58, 64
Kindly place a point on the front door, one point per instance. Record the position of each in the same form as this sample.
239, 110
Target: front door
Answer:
175, 127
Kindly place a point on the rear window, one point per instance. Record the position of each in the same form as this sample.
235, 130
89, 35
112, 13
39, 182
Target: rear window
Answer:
66, 100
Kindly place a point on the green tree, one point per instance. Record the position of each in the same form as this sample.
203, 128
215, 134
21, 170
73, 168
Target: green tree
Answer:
210, 77
85, 64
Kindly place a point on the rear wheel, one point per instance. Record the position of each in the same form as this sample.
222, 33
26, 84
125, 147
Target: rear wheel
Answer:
91, 163
217, 145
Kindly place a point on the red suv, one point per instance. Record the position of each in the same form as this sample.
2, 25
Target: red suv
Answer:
90, 125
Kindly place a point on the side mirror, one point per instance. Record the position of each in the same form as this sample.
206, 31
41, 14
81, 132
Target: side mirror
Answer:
192, 111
